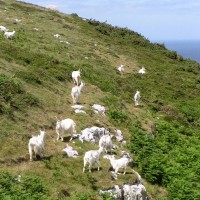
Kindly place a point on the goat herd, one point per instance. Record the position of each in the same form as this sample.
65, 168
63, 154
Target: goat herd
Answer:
136, 191
92, 157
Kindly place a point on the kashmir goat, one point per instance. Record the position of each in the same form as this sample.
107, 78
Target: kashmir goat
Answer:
3, 28
76, 75
65, 126
76, 92
57, 36
9, 35
91, 157
70, 152
137, 98
118, 163
106, 142
142, 71
36, 145
121, 68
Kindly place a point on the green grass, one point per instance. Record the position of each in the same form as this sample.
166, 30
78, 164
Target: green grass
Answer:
35, 86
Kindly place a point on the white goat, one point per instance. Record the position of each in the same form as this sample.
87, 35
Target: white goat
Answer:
121, 68
118, 136
91, 157
36, 145
76, 75
17, 20
142, 71
118, 163
137, 98
105, 142
76, 92
70, 152
57, 36
65, 126
3, 28
79, 111
9, 35
77, 106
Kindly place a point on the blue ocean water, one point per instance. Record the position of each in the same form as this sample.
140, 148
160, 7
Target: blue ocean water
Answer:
186, 48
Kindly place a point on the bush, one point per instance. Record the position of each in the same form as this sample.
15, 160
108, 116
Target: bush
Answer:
118, 117
13, 97
169, 159
31, 187
171, 54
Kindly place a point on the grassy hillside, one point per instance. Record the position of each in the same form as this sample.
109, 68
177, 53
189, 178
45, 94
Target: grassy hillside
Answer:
35, 86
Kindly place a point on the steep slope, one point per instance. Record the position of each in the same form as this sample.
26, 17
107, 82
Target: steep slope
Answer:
35, 87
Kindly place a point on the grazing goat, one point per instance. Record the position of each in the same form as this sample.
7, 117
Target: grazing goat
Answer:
3, 28
118, 163
9, 35
76, 75
137, 98
36, 145
105, 142
142, 71
65, 126
121, 68
91, 157
76, 92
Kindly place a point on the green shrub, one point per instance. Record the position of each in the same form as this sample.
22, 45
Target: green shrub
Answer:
118, 117
168, 159
29, 188
13, 96
171, 54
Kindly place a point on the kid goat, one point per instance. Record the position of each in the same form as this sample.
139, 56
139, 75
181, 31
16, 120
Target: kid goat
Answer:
36, 145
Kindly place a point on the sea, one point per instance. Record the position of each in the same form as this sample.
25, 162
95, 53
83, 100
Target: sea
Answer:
186, 48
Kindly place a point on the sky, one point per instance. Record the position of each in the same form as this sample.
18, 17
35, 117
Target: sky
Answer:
156, 20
